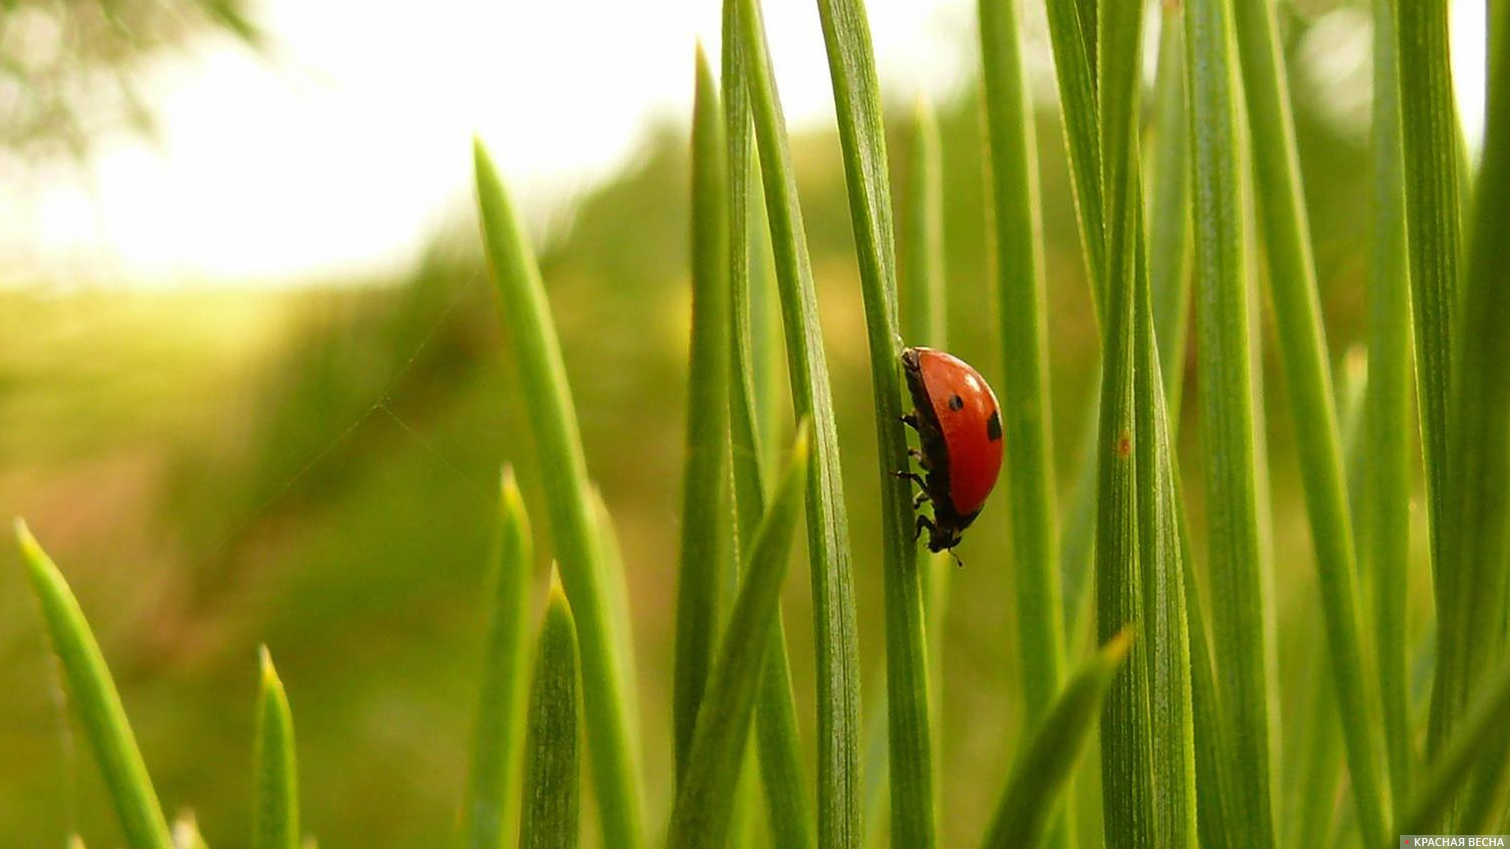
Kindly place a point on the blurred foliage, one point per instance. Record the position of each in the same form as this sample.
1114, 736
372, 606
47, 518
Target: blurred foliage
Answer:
317, 469
70, 70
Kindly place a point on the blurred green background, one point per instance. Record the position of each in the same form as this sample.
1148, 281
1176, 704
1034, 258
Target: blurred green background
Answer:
315, 468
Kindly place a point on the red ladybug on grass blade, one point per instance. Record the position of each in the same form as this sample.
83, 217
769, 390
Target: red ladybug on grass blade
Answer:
959, 425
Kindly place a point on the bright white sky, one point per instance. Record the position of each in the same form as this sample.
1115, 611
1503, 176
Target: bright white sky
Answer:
348, 150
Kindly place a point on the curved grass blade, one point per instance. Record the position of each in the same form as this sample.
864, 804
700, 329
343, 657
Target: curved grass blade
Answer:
1025, 395
1432, 168
705, 484
275, 811
95, 701
780, 751
1303, 353
705, 799
492, 788
1240, 595
542, 375
549, 818
1044, 767
1388, 419
835, 638
862, 138
1478, 452
1073, 36
857, 102
924, 303
1128, 790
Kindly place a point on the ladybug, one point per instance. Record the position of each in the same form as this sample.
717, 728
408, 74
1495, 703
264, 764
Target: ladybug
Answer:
959, 426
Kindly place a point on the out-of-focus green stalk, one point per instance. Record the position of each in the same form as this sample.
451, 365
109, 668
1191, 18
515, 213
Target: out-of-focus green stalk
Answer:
1477, 505
1388, 422
1431, 157
780, 752
542, 375
925, 308
1025, 411
95, 701
862, 138
275, 809
1302, 346
705, 486
1169, 214
1240, 592
492, 788
553, 764
835, 637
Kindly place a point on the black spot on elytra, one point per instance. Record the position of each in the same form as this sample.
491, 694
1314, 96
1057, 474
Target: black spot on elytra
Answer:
993, 426
956, 402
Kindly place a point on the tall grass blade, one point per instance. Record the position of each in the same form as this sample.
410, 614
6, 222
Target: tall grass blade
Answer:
1478, 501
553, 763
705, 482
1169, 214
1303, 352
780, 752
704, 801
1127, 770
1072, 33
1432, 166
1044, 767
1018, 241
275, 809
1388, 420
95, 701
574, 529
1466, 752
835, 638
1215, 771
924, 304
492, 788
1239, 590
862, 137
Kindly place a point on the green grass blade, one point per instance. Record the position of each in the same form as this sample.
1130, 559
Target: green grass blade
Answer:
924, 305
1478, 451
1169, 214
275, 811
1027, 448
857, 102
550, 814
1127, 790
1240, 600
1388, 420
1430, 148
705, 483
1303, 352
1161, 562
1074, 39
1044, 767
780, 751
1467, 751
574, 529
835, 638
704, 801
492, 788
95, 701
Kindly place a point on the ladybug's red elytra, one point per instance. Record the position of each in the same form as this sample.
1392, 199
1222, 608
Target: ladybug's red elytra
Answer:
959, 426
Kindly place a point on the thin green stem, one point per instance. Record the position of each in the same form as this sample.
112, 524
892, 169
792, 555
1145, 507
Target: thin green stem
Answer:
553, 762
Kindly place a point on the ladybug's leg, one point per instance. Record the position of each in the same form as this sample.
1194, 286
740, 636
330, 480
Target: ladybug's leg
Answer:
912, 476
924, 523
911, 420
921, 498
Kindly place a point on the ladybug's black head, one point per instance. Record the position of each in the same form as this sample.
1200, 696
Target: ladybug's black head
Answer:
942, 538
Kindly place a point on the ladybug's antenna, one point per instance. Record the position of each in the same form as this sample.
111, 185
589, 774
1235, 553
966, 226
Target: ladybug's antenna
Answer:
958, 563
